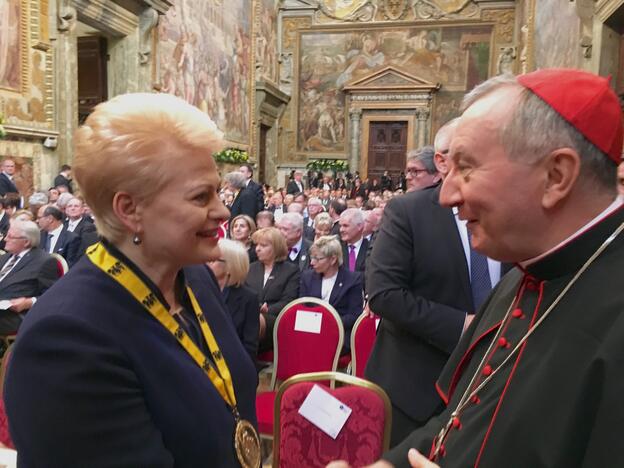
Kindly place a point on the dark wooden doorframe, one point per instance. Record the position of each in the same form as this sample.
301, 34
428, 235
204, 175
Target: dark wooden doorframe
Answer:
92, 74
387, 145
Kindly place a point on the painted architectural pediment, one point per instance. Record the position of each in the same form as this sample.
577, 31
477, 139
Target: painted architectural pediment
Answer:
390, 78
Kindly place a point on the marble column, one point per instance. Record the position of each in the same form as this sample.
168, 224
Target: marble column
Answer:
354, 157
66, 74
422, 116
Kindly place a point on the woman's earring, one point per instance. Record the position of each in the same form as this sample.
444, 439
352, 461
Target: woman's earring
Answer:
136, 240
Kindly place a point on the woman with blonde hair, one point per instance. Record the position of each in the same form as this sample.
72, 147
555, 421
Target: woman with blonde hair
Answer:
241, 229
331, 281
322, 225
231, 270
274, 279
133, 353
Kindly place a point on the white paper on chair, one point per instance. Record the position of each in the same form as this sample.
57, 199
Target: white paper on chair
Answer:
309, 322
5, 304
325, 411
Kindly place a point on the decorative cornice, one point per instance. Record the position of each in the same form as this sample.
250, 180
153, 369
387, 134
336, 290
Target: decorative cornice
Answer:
107, 15
29, 132
161, 6
390, 97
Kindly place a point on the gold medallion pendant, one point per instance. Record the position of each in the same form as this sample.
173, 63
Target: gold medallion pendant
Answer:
247, 444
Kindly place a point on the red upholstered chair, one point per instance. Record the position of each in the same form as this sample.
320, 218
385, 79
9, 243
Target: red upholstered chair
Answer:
61, 263
363, 337
364, 437
5, 437
297, 352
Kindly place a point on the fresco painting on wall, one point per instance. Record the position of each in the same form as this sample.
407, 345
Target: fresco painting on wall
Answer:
205, 55
457, 57
10, 34
556, 32
266, 40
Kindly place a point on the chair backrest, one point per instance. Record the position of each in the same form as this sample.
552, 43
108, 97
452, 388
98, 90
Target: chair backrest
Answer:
363, 337
297, 351
63, 267
361, 441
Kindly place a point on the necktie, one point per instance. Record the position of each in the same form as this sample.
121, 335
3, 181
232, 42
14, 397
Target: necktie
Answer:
48, 243
8, 265
480, 282
352, 257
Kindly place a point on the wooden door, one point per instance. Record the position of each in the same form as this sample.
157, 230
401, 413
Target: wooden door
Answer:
92, 74
387, 145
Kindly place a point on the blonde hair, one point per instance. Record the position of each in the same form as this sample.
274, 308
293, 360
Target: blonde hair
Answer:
236, 261
323, 219
328, 246
251, 224
130, 143
275, 238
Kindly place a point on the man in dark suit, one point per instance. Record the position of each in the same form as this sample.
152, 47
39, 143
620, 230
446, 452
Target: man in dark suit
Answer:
25, 273
7, 185
354, 246
295, 185
255, 187
291, 227
64, 178
419, 283
55, 238
336, 207
79, 224
245, 200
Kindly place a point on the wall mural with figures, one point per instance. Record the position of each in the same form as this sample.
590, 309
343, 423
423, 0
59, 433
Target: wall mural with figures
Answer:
458, 57
266, 40
205, 58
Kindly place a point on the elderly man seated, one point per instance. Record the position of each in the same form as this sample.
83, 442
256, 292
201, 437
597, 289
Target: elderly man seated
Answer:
26, 272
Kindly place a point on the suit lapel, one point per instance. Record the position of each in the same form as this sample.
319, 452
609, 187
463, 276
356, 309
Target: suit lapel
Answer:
20, 265
60, 241
445, 220
338, 288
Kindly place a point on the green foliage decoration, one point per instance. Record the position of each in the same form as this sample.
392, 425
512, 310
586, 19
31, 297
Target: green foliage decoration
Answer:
2, 130
232, 156
326, 165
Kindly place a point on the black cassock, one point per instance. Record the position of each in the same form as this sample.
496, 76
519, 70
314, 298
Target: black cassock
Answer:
559, 400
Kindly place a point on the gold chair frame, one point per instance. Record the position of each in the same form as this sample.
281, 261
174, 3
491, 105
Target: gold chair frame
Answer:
333, 377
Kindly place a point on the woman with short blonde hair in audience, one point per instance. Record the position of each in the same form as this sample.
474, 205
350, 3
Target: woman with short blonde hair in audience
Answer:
133, 353
23, 215
322, 225
274, 279
231, 270
330, 281
241, 229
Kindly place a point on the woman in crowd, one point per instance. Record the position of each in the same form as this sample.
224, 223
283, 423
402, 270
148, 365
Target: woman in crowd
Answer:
322, 225
330, 281
231, 269
134, 356
274, 279
241, 229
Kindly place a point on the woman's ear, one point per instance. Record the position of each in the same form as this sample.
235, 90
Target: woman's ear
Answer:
128, 211
562, 168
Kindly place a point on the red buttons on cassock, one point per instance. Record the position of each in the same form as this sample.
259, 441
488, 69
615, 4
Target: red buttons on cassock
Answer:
456, 424
502, 342
517, 313
442, 451
531, 286
487, 370
475, 399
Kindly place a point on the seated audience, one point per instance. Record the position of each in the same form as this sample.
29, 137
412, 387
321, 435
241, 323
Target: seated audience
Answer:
241, 229
322, 225
331, 281
265, 219
26, 272
274, 279
231, 269
291, 227
55, 238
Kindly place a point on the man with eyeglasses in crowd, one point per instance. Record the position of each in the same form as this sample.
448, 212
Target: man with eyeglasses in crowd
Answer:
420, 170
